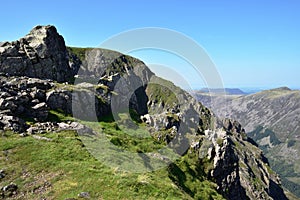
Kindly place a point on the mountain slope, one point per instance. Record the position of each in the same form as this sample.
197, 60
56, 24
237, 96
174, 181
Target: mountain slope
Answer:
97, 100
271, 118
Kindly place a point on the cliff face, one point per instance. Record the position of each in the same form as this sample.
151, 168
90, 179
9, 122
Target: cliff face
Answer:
110, 81
271, 119
40, 54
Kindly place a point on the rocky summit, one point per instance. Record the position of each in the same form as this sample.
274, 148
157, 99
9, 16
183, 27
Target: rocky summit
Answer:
48, 90
40, 54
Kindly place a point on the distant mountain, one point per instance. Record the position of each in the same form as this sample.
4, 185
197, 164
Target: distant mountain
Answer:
229, 91
272, 119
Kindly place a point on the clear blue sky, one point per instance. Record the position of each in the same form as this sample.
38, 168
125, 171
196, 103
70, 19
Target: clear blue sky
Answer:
254, 43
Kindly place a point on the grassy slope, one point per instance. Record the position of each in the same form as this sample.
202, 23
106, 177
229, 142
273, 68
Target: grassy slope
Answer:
62, 168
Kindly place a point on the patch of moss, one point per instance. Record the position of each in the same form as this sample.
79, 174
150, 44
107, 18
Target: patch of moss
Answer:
79, 52
220, 142
159, 93
59, 116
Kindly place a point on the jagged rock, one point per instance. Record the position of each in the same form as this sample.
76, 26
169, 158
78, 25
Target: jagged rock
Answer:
60, 100
63, 126
233, 126
270, 118
84, 195
38, 94
109, 66
23, 96
40, 111
42, 128
9, 190
226, 171
12, 123
80, 128
146, 119
31, 130
40, 54
39, 84
239, 168
45, 127
2, 174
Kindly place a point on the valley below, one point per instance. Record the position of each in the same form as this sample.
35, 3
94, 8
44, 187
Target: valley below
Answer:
271, 119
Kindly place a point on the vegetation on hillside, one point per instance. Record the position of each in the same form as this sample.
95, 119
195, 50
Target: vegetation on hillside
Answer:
62, 167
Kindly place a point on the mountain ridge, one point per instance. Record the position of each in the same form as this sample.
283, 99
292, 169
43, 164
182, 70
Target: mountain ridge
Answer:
271, 119
36, 102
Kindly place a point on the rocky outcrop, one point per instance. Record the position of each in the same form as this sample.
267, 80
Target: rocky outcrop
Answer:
22, 97
126, 76
271, 119
84, 195
46, 127
8, 190
30, 99
2, 174
40, 54
239, 168
60, 99
13, 123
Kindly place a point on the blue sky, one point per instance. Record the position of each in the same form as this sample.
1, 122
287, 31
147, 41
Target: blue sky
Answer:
252, 43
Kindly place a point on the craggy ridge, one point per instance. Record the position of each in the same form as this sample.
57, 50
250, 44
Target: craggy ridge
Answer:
41, 79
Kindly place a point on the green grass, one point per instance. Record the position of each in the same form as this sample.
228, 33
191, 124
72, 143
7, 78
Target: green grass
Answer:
65, 166
79, 52
59, 116
220, 142
137, 140
162, 94
160, 90
70, 169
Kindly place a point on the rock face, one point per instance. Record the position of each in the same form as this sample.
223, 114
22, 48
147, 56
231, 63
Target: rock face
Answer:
270, 117
22, 97
2, 174
30, 99
9, 190
125, 75
60, 99
40, 54
240, 167
109, 82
